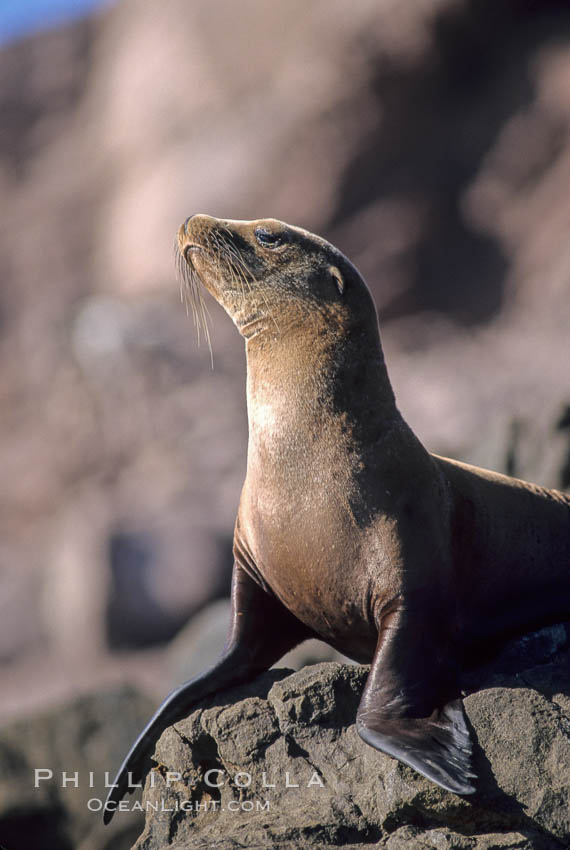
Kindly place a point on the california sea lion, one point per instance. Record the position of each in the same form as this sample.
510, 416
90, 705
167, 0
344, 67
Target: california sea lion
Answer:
348, 529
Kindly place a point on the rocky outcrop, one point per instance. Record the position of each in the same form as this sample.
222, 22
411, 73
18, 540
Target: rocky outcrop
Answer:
53, 773
279, 764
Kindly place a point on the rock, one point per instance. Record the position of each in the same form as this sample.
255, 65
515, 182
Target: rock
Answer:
298, 730
311, 652
442, 839
83, 737
200, 644
155, 587
534, 445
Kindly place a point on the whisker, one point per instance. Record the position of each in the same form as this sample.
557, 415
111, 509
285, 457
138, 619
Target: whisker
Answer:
264, 299
191, 296
227, 262
246, 275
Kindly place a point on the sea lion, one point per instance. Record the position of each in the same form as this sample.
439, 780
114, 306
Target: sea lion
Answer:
348, 529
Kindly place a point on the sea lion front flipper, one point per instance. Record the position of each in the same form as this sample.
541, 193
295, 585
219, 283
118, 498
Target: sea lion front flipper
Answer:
405, 710
261, 631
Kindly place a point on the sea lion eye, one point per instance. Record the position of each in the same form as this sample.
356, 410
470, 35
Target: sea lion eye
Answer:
267, 239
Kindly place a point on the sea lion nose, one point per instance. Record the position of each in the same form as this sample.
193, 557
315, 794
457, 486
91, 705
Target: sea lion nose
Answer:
199, 219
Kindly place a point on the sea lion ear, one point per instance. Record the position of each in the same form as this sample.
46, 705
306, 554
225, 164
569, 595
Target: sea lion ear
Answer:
340, 285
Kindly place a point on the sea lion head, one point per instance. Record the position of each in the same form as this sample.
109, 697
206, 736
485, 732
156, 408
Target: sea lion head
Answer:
271, 277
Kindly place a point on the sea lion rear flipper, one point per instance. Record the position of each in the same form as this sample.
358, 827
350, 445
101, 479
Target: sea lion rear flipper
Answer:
261, 631
406, 711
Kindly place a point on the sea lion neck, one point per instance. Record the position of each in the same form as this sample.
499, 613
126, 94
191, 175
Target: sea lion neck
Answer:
305, 385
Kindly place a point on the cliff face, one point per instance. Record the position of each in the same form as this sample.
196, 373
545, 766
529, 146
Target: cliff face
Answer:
430, 142
279, 764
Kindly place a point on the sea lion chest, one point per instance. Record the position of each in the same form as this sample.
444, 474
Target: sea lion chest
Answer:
298, 534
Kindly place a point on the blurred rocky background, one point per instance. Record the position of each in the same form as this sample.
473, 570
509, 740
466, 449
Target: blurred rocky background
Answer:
430, 141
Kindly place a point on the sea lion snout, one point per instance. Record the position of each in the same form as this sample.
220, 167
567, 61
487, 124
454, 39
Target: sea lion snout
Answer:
195, 224
271, 276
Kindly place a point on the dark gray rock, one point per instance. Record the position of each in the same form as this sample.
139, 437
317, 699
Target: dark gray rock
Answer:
534, 445
200, 644
298, 730
84, 737
152, 589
